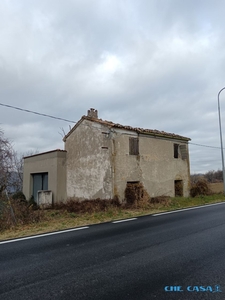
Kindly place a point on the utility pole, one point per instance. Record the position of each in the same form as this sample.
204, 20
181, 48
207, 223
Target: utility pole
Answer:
221, 139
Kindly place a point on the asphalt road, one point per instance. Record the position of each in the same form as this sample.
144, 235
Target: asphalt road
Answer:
145, 258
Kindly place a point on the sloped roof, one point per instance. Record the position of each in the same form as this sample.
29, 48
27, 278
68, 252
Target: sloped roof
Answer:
110, 124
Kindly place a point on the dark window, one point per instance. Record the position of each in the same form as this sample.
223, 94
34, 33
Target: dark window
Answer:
40, 182
176, 148
133, 146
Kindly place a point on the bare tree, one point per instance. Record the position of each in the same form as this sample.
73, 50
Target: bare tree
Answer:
218, 176
210, 176
18, 162
17, 175
6, 161
11, 166
214, 176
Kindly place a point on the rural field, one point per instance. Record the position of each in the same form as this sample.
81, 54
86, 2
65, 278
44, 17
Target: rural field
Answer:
216, 188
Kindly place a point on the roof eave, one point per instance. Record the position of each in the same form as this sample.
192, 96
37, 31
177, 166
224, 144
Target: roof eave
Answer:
174, 137
129, 128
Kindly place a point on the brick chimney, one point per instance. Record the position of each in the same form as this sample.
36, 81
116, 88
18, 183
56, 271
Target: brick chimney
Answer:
92, 113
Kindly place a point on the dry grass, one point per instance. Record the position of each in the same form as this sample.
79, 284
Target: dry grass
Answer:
17, 212
74, 215
200, 187
60, 219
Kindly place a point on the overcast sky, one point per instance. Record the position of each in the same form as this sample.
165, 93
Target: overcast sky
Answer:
148, 63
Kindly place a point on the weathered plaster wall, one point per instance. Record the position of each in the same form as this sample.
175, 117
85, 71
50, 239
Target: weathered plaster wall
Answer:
155, 166
54, 163
125, 167
160, 168
89, 172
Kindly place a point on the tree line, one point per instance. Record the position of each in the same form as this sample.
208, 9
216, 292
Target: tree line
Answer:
210, 176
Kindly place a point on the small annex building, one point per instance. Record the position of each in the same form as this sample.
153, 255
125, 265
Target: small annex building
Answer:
101, 158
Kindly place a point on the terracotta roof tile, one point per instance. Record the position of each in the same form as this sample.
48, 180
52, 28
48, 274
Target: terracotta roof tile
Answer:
110, 124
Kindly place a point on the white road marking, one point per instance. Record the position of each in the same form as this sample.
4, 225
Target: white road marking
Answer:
42, 235
180, 210
126, 220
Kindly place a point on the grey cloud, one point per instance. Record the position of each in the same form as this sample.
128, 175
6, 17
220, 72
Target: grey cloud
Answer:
150, 64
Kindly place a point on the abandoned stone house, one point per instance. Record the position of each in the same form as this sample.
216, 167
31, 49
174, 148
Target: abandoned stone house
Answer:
100, 158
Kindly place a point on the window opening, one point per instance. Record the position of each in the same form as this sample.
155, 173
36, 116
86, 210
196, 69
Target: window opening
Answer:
133, 146
176, 152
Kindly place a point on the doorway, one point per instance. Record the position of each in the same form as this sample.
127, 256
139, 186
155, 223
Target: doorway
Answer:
40, 183
178, 187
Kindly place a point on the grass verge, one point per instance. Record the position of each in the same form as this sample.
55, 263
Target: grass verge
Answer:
59, 219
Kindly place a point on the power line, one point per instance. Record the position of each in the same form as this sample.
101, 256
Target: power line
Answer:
62, 119
205, 146
37, 113
41, 114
